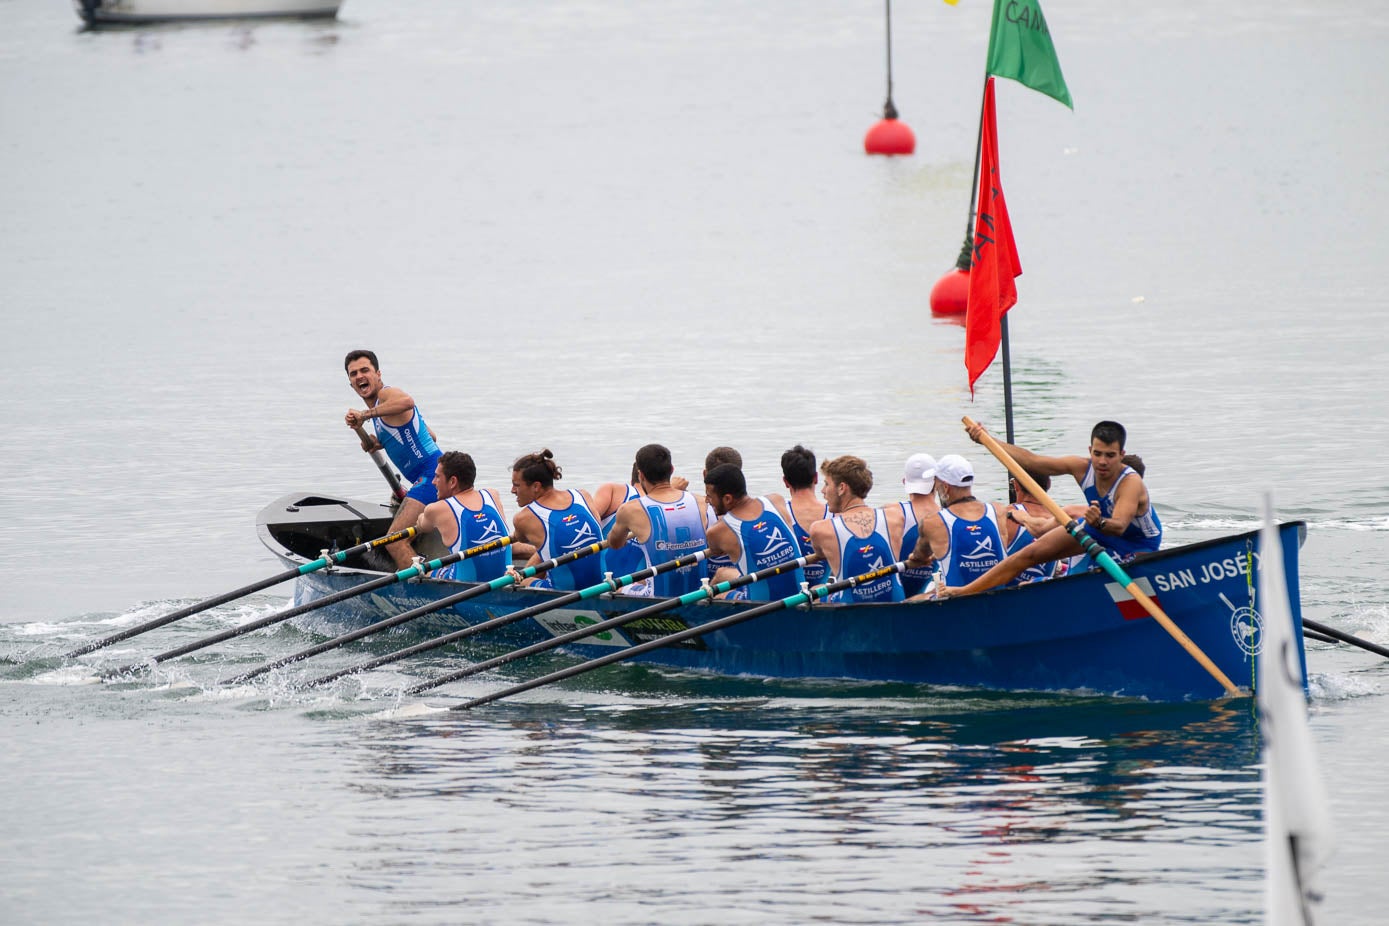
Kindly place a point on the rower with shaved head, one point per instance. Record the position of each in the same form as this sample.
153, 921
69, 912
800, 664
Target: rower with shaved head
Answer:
400, 430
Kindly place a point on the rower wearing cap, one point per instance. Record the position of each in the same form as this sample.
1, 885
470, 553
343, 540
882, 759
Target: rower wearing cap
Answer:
919, 479
857, 538
967, 537
1120, 516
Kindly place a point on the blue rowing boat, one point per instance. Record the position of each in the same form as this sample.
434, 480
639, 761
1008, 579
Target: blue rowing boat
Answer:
1082, 633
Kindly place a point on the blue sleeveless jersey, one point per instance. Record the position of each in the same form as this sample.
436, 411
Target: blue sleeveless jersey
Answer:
767, 541
409, 446
1021, 539
816, 573
858, 555
676, 530
914, 578
1144, 533
566, 530
476, 528
629, 559
975, 546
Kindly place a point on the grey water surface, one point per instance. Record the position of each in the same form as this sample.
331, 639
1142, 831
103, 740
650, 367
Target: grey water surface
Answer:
587, 226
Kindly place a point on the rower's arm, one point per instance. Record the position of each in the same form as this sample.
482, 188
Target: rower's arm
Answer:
932, 543
1034, 462
1126, 502
392, 403
822, 541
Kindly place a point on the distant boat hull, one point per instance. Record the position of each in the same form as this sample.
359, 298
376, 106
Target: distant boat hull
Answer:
148, 11
1080, 633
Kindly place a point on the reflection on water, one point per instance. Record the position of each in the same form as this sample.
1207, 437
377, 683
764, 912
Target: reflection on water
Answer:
873, 811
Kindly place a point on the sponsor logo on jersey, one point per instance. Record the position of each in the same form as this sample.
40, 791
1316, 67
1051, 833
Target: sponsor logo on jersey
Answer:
776, 541
983, 548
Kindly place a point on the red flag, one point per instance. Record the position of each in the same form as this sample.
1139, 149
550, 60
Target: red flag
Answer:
995, 262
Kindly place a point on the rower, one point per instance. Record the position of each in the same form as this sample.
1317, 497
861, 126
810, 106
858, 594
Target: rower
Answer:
717, 561
665, 523
556, 521
799, 475
857, 538
1120, 516
753, 533
919, 479
967, 537
465, 517
1028, 512
400, 430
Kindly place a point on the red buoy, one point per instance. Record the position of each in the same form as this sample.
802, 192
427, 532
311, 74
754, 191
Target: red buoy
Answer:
889, 136
950, 295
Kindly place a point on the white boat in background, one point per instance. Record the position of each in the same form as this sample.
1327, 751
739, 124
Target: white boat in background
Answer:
148, 11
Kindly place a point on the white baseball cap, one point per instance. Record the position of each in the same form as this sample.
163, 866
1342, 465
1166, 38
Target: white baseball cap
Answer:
919, 475
955, 470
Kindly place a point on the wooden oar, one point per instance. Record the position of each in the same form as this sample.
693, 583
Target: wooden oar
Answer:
615, 622
340, 557
383, 463
800, 598
334, 598
1341, 635
1102, 557
593, 591
424, 609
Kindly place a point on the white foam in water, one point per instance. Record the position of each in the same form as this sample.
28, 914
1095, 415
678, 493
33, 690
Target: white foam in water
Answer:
1340, 687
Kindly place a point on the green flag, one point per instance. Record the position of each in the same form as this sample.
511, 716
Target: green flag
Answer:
1020, 49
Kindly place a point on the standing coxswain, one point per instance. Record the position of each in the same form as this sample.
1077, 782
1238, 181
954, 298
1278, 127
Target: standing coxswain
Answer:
401, 431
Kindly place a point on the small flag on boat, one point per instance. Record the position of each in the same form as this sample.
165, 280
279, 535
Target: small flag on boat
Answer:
1130, 608
995, 262
1020, 49
1297, 829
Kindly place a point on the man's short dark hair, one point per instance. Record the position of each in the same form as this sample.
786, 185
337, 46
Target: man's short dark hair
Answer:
798, 467
1134, 462
460, 466
1109, 432
359, 354
727, 479
722, 455
538, 467
653, 462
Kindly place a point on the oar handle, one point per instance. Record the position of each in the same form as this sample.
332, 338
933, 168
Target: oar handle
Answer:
1101, 556
383, 463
